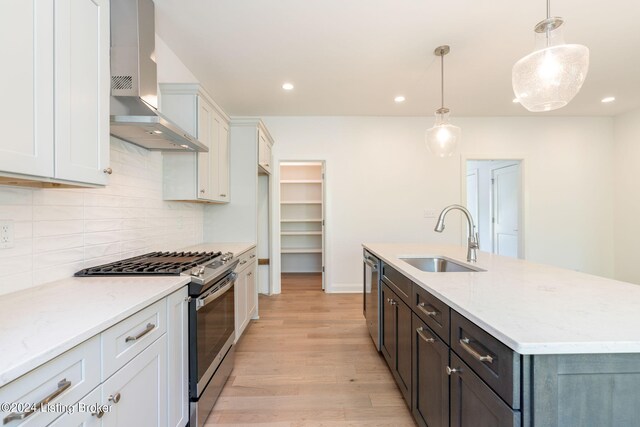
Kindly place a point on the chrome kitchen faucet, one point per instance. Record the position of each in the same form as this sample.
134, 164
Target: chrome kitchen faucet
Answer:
472, 238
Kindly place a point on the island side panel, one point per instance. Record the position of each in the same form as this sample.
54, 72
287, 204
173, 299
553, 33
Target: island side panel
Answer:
585, 390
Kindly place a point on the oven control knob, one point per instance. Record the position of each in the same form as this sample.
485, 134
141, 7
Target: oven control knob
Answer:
195, 271
201, 270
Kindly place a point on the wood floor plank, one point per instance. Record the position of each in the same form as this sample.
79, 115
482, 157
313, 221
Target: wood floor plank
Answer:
309, 361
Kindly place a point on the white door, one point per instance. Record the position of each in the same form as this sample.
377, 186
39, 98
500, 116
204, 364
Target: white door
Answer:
26, 110
506, 215
205, 126
137, 392
223, 162
82, 90
473, 196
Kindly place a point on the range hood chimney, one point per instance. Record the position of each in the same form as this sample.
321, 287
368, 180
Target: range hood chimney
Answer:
134, 84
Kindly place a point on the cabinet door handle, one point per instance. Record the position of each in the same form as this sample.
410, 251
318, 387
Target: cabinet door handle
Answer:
115, 398
63, 384
249, 273
420, 332
425, 311
466, 344
452, 370
108, 171
243, 262
150, 327
98, 414
223, 195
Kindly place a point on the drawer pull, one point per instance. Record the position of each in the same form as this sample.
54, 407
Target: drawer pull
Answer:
115, 398
425, 311
252, 256
150, 327
420, 332
466, 344
63, 384
243, 262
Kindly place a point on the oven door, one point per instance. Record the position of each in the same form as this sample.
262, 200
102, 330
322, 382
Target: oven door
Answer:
211, 332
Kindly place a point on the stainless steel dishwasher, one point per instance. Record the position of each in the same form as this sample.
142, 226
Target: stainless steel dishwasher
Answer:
372, 296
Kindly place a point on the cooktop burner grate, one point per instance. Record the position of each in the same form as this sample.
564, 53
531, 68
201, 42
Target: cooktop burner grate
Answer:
154, 263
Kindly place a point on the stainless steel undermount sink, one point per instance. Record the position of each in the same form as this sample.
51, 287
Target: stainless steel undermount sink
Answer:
439, 264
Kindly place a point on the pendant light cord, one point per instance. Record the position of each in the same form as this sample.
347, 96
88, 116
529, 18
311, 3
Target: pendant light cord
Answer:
442, 80
547, 33
548, 9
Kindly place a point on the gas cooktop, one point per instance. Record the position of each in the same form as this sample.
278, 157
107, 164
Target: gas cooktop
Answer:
153, 263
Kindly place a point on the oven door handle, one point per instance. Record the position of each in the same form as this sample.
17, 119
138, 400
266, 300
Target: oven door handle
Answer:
201, 302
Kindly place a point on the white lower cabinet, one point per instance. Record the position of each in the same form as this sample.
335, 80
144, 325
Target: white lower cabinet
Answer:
63, 380
87, 413
137, 393
137, 369
246, 292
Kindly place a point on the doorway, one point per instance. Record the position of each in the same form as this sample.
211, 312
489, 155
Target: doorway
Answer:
302, 221
494, 198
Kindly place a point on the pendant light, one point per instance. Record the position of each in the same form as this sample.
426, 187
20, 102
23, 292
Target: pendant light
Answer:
442, 139
550, 76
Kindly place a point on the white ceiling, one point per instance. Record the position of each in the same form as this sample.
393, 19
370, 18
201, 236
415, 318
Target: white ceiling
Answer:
352, 57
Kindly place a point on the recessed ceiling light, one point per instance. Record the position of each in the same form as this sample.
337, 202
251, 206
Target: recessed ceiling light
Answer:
516, 101
399, 99
608, 99
287, 86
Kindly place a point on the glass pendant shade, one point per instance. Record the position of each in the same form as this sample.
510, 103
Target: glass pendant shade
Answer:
549, 77
443, 138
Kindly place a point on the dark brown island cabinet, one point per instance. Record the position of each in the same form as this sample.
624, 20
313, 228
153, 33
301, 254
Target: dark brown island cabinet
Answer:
452, 373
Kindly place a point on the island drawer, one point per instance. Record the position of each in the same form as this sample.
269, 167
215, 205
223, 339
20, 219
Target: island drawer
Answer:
491, 360
431, 311
397, 282
125, 340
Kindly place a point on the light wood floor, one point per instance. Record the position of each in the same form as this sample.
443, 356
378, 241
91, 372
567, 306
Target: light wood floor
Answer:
309, 361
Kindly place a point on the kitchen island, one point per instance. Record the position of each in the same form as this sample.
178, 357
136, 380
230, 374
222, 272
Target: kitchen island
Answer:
517, 344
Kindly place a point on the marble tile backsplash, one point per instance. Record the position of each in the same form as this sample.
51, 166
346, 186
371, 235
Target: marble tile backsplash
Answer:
60, 231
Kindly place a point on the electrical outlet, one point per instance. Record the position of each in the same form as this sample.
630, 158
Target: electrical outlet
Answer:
430, 213
6, 234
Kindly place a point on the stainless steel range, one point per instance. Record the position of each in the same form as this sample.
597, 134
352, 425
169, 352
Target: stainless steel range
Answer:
211, 315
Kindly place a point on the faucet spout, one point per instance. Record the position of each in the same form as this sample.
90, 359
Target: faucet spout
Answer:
472, 235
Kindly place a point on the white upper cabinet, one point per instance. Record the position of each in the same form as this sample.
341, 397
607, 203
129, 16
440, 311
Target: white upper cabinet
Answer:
82, 90
264, 151
55, 106
26, 35
202, 177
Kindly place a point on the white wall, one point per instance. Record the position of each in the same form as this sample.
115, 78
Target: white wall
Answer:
627, 196
60, 231
380, 179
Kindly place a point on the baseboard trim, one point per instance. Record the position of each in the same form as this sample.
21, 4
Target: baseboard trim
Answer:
344, 288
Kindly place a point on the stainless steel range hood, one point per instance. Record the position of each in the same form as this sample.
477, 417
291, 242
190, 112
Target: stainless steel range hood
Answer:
134, 84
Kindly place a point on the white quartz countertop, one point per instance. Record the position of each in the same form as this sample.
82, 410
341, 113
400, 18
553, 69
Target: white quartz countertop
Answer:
40, 323
532, 308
